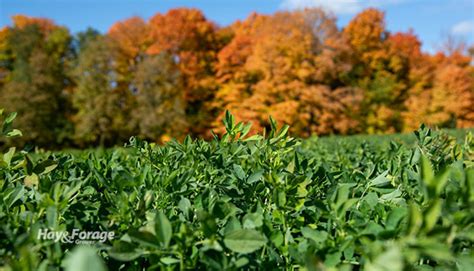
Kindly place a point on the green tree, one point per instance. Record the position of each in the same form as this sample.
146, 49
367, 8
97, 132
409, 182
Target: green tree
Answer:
159, 112
102, 109
82, 38
36, 57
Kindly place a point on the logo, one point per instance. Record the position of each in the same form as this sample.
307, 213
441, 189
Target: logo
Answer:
76, 236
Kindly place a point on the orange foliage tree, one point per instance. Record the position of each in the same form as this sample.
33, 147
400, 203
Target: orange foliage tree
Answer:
448, 101
129, 39
291, 66
191, 39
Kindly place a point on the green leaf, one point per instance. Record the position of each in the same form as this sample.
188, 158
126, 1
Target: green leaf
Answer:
395, 217
232, 225
239, 172
317, 236
277, 238
83, 258
253, 220
390, 260
16, 194
435, 249
144, 237
273, 124
470, 184
241, 262
45, 167
211, 244
124, 251
342, 194
440, 180
415, 219
245, 130
163, 229
284, 130
169, 260
432, 214
380, 180
254, 138
229, 122
244, 240
465, 262
279, 197
52, 216
256, 176
125, 256
371, 199
427, 173
9, 119
7, 157
390, 197
332, 259
28, 165
184, 205
14, 132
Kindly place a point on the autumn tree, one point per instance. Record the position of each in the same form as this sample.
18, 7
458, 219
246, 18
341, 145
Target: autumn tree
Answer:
159, 111
5, 57
128, 42
385, 67
286, 65
35, 60
178, 72
82, 39
448, 100
366, 33
191, 40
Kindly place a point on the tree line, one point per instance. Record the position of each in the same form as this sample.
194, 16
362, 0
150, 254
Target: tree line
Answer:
178, 72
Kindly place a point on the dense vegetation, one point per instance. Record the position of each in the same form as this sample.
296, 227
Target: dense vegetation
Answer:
178, 72
264, 201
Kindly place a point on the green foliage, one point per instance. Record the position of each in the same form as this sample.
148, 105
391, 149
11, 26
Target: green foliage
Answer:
159, 107
266, 201
7, 130
102, 108
37, 64
83, 258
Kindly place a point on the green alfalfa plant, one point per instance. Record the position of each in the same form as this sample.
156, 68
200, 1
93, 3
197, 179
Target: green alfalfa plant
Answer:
6, 124
6, 132
468, 150
12, 160
439, 147
239, 131
240, 203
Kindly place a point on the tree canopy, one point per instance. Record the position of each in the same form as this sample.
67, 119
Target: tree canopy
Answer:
178, 72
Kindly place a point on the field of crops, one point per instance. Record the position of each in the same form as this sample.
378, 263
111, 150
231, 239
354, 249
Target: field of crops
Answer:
253, 202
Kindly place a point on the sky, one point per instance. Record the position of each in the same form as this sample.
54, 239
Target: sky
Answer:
431, 20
